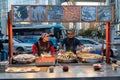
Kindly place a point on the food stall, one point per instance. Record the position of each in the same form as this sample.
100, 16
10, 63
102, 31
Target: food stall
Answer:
75, 72
62, 66
65, 65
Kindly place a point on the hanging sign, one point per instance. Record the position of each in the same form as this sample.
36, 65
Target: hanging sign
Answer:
49, 13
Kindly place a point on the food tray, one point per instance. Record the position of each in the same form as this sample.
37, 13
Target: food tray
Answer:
92, 60
22, 69
23, 58
45, 63
66, 61
23, 62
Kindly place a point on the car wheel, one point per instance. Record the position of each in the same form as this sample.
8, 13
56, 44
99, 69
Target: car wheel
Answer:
111, 53
19, 50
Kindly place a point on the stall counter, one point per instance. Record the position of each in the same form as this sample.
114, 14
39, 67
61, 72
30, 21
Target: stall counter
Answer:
76, 72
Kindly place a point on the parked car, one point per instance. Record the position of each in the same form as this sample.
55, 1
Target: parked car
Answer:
28, 40
35, 39
18, 46
91, 43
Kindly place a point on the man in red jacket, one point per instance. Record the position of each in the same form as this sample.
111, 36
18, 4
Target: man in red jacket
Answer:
43, 45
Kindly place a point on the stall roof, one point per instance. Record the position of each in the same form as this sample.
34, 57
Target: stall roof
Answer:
86, 0
35, 26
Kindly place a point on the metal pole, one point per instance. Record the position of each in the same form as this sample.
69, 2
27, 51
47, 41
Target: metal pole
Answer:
10, 38
107, 42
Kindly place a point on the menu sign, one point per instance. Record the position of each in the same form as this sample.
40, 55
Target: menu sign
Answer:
21, 13
38, 13
49, 13
88, 13
71, 13
104, 13
55, 13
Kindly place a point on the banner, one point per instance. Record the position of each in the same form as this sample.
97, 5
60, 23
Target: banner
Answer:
71, 13
104, 13
49, 13
88, 13
38, 13
55, 13
21, 13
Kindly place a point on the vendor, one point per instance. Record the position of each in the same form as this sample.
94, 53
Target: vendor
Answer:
71, 42
43, 45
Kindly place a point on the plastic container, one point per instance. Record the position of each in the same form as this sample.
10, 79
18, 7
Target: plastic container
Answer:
51, 69
97, 67
65, 68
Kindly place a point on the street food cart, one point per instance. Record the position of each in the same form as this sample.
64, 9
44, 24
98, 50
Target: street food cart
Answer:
75, 72
65, 66
67, 69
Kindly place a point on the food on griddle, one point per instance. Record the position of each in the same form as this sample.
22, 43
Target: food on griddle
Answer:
89, 57
67, 56
10, 70
45, 59
45, 54
22, 69
24, 58
61, 51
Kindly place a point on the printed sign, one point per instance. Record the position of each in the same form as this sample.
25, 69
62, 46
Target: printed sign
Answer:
21, 13
88, 13
38, 13
71, 13
55, 13
104, 13
45, 13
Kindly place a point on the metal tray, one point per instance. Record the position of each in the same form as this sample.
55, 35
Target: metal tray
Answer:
45, 63
66, 61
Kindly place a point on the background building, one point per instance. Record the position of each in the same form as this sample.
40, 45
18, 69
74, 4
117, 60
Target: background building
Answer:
3, 15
